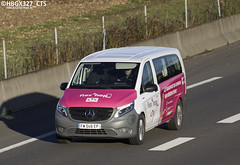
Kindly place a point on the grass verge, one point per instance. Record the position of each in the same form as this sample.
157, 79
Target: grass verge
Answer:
32, 48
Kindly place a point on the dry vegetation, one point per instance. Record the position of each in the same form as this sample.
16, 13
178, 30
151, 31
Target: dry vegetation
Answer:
53, 11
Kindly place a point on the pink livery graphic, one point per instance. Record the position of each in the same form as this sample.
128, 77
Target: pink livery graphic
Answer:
98, 97
171, 90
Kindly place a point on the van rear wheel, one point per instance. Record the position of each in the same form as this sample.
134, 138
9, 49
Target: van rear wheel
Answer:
176, 122
139, 137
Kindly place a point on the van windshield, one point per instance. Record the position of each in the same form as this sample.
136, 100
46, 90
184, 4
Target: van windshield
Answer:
105, 75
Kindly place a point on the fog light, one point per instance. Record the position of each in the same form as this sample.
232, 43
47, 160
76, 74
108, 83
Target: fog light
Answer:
125, 130
60, 129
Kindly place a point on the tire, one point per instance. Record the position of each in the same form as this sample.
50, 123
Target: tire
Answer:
63, 140
139, 137
176, 122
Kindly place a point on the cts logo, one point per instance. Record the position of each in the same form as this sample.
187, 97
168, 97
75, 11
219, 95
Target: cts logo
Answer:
92, 100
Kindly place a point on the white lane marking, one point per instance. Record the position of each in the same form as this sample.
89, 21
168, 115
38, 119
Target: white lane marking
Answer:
203, 82
171, 144
26, 142
231, 119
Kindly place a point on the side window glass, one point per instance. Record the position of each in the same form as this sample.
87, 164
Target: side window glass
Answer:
147, 76
173, 65
160, 67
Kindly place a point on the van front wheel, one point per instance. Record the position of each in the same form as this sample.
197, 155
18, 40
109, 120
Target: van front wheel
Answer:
176, 122
139, 137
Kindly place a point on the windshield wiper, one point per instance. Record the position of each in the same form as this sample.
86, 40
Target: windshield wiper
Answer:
101, 86
78, 86
118, 85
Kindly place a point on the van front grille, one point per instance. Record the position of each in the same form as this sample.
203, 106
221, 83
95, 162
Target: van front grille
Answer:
90, 114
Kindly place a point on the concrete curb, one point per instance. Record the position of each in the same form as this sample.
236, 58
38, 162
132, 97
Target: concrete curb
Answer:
231, 28
202, 38
38, 87
34, 88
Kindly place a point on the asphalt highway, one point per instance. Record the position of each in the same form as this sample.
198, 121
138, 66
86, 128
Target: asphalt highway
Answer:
210, 134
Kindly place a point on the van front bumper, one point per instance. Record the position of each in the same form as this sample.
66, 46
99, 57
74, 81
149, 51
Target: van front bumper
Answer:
121, 127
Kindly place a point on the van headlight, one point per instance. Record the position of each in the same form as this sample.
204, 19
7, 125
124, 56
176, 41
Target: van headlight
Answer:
62, 109
122, 110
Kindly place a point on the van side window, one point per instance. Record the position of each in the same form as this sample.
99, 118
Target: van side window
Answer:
161, 69
147, 76
173, 65
167, 67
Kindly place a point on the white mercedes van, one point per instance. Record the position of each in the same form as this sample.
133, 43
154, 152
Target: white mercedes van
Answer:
122, 93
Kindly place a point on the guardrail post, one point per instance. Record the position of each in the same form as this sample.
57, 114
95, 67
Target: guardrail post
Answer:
219, 9
145, 11
104, 33
186, 14
56, 43
5, 61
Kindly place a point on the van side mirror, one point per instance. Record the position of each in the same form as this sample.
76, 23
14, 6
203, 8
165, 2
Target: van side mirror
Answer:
63, 86
151, 88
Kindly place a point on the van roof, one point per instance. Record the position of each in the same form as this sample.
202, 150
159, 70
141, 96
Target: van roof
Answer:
129, 54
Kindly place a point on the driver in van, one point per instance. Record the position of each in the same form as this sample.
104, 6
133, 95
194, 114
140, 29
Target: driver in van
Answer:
127, 76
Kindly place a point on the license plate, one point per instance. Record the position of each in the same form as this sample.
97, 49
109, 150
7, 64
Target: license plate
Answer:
89, 126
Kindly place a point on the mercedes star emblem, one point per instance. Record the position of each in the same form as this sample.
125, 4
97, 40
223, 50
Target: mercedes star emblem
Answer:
90, 114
